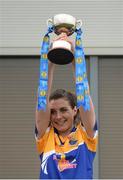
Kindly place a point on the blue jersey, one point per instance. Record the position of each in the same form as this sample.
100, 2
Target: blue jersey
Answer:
70, 157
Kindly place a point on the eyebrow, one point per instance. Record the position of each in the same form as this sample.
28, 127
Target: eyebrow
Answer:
62, 108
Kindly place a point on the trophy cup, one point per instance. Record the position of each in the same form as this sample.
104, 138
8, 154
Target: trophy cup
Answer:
61, 51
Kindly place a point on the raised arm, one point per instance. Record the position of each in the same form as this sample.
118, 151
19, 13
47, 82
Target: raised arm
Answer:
43, 117
87, 117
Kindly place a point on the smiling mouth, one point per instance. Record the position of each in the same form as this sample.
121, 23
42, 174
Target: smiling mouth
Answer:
60, 123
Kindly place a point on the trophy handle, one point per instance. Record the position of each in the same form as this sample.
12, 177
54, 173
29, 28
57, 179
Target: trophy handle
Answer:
78, 24
49, 22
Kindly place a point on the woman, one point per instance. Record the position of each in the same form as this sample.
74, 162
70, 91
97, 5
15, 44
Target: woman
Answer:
65, 136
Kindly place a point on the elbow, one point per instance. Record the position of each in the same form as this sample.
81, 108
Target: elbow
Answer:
91, 130
37, 119
91, 134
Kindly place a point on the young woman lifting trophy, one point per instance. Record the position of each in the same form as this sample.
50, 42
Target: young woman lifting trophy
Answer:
66, 135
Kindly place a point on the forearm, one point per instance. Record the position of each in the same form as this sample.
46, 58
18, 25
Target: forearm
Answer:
50, 79
43, 117
87, 117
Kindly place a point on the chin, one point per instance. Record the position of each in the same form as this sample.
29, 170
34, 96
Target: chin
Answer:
62, 129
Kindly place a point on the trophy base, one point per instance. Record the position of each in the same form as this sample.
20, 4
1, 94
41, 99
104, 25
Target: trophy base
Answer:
60, 56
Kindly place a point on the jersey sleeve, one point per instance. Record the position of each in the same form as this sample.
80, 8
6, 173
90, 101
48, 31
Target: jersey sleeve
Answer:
41, 142
90, 142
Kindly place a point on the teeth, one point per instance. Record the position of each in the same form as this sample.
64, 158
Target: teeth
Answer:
60, 123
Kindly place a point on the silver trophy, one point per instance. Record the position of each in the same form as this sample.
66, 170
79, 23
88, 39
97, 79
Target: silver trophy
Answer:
61, 51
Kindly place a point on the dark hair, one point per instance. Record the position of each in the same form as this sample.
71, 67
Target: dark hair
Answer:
61, 93
70, 97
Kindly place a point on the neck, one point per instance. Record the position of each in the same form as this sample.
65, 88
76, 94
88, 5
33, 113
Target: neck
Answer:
65, 133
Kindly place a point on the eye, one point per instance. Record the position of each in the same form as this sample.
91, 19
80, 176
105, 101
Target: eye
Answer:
63, 109
53, 111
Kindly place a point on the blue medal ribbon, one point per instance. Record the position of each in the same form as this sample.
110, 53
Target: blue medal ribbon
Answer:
82, 88
43, 80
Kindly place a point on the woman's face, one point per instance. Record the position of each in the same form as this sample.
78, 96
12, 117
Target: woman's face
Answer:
62, 115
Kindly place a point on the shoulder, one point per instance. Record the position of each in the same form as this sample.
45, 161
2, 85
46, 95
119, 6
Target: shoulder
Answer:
45, 135
45, 140
90, 142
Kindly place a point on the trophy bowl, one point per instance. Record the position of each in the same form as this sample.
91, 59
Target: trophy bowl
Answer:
61, 51
64, 21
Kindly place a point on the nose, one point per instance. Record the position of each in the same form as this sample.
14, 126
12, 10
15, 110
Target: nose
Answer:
58, 115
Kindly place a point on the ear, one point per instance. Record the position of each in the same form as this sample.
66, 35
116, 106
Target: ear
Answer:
75, 110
